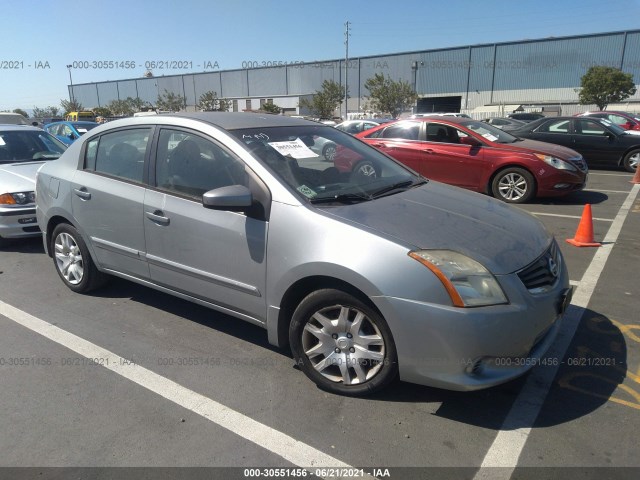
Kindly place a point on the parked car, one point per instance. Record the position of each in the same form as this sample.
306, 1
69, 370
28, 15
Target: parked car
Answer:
13, 119
69, 132
627, 121
360, 125
363, 278
598, 140
526, 117
324, 147
23, 149
504, 123
477, 156
440, 114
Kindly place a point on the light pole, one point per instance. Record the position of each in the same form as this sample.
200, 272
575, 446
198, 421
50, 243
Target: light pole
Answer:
71, 82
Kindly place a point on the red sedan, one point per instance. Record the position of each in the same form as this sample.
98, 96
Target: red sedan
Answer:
628, 121
474, 155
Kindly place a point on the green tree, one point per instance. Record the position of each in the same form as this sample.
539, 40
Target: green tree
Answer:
102, 112
170, 101
46, 112
271, 108
120, 108
325, 101
389, 96
137, 104
21, 112
604, 85
71, 106
209, 102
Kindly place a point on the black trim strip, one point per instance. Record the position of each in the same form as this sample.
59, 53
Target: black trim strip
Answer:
31, 211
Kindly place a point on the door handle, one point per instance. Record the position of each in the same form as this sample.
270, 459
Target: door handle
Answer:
428, 150
379, 145
82, 193
157, 217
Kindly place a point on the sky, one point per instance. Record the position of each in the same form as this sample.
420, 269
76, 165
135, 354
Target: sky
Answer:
38, 39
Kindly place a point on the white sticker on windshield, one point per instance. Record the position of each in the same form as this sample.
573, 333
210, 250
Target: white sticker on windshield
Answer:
296, 148
81, 130
632, 132
491, 138
2, 142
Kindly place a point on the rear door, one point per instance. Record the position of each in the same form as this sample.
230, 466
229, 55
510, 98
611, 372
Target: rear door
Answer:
108, 197
402, 141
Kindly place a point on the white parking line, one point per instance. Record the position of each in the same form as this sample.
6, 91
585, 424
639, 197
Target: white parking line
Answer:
281, 444
626, 192
574, 283
591, 173
544, 214
514, 432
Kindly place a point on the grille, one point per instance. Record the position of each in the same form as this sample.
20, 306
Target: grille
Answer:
579, 163
539, 276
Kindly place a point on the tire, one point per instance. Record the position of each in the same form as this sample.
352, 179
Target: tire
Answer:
353, 333
329, 152
365, 169
513, 185
631, 159
73, 261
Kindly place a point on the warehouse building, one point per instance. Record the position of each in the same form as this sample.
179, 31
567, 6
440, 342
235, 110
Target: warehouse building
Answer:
482, 80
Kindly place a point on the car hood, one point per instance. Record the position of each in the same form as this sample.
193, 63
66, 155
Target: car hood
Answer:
18, 177
437, 216
542, 147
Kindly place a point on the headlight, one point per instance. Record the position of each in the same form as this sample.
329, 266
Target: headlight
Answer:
555, 162
21, 198
468, 283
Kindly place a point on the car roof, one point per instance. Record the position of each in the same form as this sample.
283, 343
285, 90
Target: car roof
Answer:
9, 127
235, 120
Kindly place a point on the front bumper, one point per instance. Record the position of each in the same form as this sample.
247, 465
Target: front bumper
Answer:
473, 348
18, 222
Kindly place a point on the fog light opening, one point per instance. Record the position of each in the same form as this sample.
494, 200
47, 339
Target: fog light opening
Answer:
562, 186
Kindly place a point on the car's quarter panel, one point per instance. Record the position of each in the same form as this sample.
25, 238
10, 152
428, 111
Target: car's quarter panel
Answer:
215, 255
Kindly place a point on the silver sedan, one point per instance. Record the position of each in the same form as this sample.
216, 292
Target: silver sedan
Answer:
363, 278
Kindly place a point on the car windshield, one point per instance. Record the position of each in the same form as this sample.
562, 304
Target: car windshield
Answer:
491, 133
618, 130
24, 146
324, 165
84, 127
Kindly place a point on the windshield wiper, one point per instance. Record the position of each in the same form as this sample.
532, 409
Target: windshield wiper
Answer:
395, 186
343, 198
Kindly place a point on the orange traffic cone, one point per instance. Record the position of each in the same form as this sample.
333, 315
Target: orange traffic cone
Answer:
584, 235
636, 177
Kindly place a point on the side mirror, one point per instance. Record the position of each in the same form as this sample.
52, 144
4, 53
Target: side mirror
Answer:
235, 198
472, 142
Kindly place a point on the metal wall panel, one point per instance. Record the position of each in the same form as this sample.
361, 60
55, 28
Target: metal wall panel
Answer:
443, 71
398, 67
207, 82
188, 83
234, 83
267, 82
148, 90
481, 69
86, 95
126, 88
631, 61
106, 93
304, 79
171, 84
558, 63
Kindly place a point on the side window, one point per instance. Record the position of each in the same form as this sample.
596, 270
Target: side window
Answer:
402, 130
90, 154
65, 130
588, 127
192, 165
560, 126
121, 154
617, 119
437, 132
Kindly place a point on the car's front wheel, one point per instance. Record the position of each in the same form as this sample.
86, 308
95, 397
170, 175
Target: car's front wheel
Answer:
73, 261
631, 160
329, 152
342, 344
365, 169
513, 185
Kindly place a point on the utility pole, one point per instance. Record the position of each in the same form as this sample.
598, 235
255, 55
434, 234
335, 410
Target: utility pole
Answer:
346, 71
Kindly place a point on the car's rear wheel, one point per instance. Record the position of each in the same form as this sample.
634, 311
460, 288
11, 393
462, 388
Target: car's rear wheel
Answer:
365, 169
73, 261
513, 185
342, 344
329, 152
631, 160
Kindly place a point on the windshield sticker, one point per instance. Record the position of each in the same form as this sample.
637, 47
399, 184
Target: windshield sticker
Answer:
632, 132
295, 148
491, 138
306, 191
2, 142
82, 130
